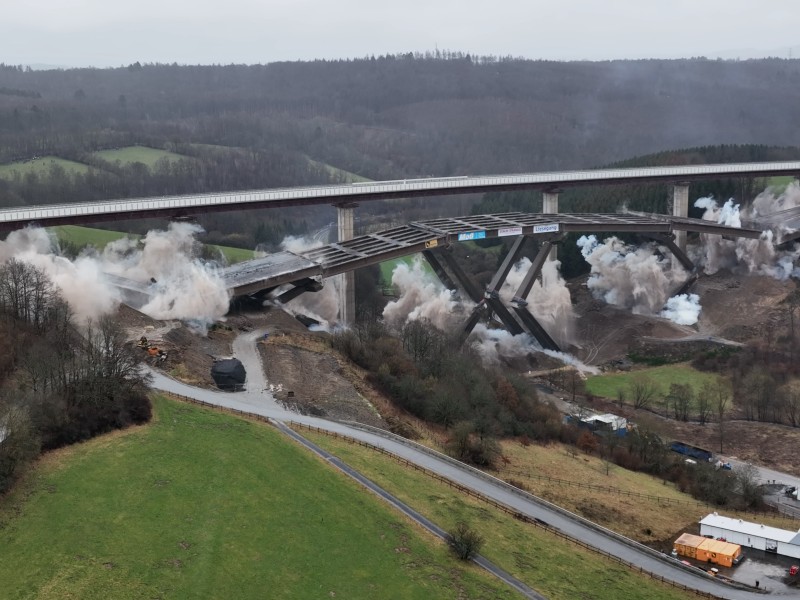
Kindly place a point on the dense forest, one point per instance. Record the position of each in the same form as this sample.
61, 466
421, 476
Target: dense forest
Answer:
410, 115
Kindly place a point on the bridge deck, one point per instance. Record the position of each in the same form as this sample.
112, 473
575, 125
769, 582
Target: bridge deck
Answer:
332, 259
181, 206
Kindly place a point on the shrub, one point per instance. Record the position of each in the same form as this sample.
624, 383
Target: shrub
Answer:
465, 542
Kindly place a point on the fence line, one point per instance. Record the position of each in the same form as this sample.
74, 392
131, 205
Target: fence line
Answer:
463, 489
661, 499
502, 507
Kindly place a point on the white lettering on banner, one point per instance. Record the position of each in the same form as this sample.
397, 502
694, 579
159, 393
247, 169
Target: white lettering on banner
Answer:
472, 235
549, 228
506, 231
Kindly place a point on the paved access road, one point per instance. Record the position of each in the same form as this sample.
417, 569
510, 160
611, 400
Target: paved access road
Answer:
263, 403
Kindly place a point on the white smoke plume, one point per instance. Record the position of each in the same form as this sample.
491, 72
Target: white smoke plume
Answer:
421, 297
635, 278
81, 282
184, 287
742, 255
323, 305
549, 299
493, 345
683, 309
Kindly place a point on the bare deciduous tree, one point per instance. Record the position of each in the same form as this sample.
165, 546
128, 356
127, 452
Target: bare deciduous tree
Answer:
643, 391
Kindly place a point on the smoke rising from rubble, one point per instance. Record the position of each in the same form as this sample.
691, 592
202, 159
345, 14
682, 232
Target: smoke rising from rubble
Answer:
494, 345
636, 278
184, 288
683, 309
748, 256
549, 299
421, 297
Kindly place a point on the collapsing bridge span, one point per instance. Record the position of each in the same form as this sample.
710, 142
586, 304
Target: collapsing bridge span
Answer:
304, 270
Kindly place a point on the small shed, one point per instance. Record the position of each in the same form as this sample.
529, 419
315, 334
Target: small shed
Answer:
752, 535
706, 549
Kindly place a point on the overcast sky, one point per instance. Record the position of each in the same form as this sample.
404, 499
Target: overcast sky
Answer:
111, 33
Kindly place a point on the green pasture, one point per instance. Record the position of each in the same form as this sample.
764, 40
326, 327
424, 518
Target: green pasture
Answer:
199, 504
81, 237
41, 166
134, 154
607, 385
556, 568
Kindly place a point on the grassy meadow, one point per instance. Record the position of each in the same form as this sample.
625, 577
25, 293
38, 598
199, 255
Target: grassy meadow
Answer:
40, 166
200, 504
541, 560
607, 385
134, 154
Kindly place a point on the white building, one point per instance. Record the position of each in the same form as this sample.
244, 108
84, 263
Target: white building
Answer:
752, 535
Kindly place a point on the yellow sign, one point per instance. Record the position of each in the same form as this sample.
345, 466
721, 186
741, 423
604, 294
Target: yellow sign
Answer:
431, 243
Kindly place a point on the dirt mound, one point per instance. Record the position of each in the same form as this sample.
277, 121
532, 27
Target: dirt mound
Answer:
739, 307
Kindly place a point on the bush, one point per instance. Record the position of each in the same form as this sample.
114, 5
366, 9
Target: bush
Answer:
465, 542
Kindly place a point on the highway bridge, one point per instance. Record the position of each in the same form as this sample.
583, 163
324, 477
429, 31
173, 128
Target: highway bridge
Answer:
193, 204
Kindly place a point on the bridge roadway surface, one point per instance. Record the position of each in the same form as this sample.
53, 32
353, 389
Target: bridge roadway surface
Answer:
256, 399
332, 259
187, 205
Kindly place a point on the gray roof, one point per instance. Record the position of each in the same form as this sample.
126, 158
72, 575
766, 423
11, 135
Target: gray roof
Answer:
752, 529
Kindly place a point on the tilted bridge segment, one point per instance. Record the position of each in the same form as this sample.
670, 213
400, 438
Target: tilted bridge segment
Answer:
305, 270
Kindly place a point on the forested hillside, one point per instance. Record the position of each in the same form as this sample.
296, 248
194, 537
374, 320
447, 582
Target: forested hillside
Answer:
239, 127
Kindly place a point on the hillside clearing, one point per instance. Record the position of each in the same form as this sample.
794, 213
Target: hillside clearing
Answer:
608, 384
141, 154
41, 166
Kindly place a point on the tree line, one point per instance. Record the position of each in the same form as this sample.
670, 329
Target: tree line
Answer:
59, 383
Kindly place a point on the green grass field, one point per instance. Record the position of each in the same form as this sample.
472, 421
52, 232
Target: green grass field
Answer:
85, 236
556, 568
200, 504
40, 166
663, 376
133, 154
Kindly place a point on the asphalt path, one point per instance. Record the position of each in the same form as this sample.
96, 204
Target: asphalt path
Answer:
264, 404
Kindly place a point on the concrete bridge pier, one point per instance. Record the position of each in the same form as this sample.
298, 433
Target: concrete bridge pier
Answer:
680, 208
550, 206
347, 287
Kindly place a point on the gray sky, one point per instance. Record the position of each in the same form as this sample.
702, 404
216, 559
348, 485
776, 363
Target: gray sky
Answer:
112, 33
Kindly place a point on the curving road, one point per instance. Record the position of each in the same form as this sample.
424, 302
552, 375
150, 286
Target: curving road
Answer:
256, 399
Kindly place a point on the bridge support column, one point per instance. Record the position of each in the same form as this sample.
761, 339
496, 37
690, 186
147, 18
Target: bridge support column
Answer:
680, 208
347, 287
529, 322
550, 206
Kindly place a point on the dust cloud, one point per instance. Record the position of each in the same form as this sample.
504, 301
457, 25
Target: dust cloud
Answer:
181, 285
637, 278
422, 296
748, 256
322, 306
549, 299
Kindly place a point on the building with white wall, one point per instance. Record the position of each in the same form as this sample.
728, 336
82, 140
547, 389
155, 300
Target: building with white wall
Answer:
752, 535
